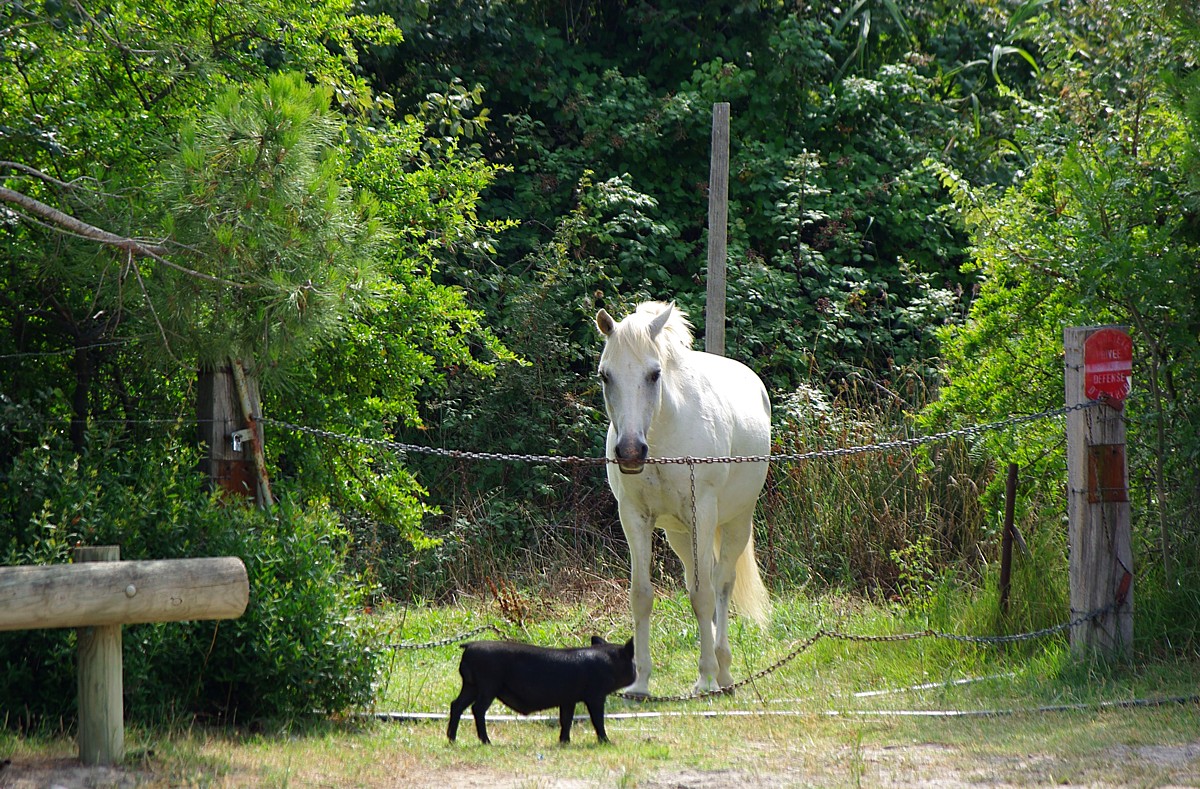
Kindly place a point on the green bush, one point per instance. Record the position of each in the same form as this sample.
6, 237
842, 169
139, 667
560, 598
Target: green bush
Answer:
303, 643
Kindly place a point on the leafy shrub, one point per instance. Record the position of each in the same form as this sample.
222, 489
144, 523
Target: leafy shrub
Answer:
302, 644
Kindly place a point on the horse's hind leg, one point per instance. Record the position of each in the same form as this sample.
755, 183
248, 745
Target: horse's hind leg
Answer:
679, 537
733, 539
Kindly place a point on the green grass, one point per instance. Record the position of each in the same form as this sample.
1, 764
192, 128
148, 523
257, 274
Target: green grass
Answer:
801, 725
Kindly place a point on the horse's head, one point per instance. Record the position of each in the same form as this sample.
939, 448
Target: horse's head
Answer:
636, 351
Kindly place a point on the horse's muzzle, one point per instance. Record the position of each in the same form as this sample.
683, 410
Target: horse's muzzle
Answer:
631, 455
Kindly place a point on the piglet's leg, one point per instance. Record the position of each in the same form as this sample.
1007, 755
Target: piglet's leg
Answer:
479, 710
465, 697
566, 716
596, 712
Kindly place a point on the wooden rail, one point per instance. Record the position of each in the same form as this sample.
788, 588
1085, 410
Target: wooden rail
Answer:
99, 593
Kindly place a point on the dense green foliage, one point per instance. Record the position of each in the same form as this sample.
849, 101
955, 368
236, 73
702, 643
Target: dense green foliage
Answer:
833, 212
243, 208
301, 645
843, 257
1102, 228
403, 214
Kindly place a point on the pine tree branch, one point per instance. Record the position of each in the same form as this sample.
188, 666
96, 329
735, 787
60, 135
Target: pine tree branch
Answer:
68, 224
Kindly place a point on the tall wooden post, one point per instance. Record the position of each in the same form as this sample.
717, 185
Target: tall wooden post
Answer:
228, 458
718, 220
1101, 552
100, 678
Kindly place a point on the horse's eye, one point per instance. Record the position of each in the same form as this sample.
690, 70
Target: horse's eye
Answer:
654, 376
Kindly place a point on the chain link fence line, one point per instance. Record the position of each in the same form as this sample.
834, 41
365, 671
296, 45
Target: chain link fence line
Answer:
882, 446
803, 646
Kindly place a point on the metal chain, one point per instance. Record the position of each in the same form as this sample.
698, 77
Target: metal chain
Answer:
1045, 631
704, 694
883, 446
416, 449
916, 441
695, 590
833, 634
445, 641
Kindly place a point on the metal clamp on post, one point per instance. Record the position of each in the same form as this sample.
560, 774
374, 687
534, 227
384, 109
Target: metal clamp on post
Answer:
240, 436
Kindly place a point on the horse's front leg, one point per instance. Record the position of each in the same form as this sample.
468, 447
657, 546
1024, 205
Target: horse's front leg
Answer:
702, 593
638, 529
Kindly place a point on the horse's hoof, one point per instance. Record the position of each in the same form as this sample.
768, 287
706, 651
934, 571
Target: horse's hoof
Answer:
634, 695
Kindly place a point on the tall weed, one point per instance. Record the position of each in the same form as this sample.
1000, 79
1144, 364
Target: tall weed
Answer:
883, 523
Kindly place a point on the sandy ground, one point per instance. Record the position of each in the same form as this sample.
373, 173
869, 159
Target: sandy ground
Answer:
917, 765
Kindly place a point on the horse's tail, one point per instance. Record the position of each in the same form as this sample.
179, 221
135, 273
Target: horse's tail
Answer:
749, 595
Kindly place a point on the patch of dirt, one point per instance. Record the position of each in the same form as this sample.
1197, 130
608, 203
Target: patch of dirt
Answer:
68, 774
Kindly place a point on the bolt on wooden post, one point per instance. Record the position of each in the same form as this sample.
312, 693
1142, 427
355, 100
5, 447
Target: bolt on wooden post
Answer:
1098, 363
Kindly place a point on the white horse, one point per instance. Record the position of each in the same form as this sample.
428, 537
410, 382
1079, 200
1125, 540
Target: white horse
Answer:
666, 400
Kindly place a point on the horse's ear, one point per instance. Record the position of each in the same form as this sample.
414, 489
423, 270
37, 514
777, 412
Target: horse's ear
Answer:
660, 320
604, 322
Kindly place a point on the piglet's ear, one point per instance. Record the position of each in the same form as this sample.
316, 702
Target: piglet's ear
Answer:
598, 641
628, 646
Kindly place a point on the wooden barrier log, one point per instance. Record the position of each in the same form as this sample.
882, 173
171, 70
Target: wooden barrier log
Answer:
97, 595
116, 593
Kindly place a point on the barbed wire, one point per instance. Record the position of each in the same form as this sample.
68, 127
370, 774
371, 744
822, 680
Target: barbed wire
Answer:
903, 443
64, 351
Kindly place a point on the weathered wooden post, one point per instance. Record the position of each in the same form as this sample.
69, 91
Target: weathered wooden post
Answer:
232, 438
100, 679
1099, 363
226, 462
97, 595
718, 220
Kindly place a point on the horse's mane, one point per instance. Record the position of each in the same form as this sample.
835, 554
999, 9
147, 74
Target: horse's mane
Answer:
674, 338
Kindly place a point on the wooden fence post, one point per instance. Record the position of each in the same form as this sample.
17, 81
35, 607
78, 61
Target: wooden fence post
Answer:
718, 216
219, 416
232, 438
1100, 545
100, 680
1006, 539
99, 593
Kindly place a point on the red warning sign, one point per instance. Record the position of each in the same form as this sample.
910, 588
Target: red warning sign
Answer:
1107, 366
